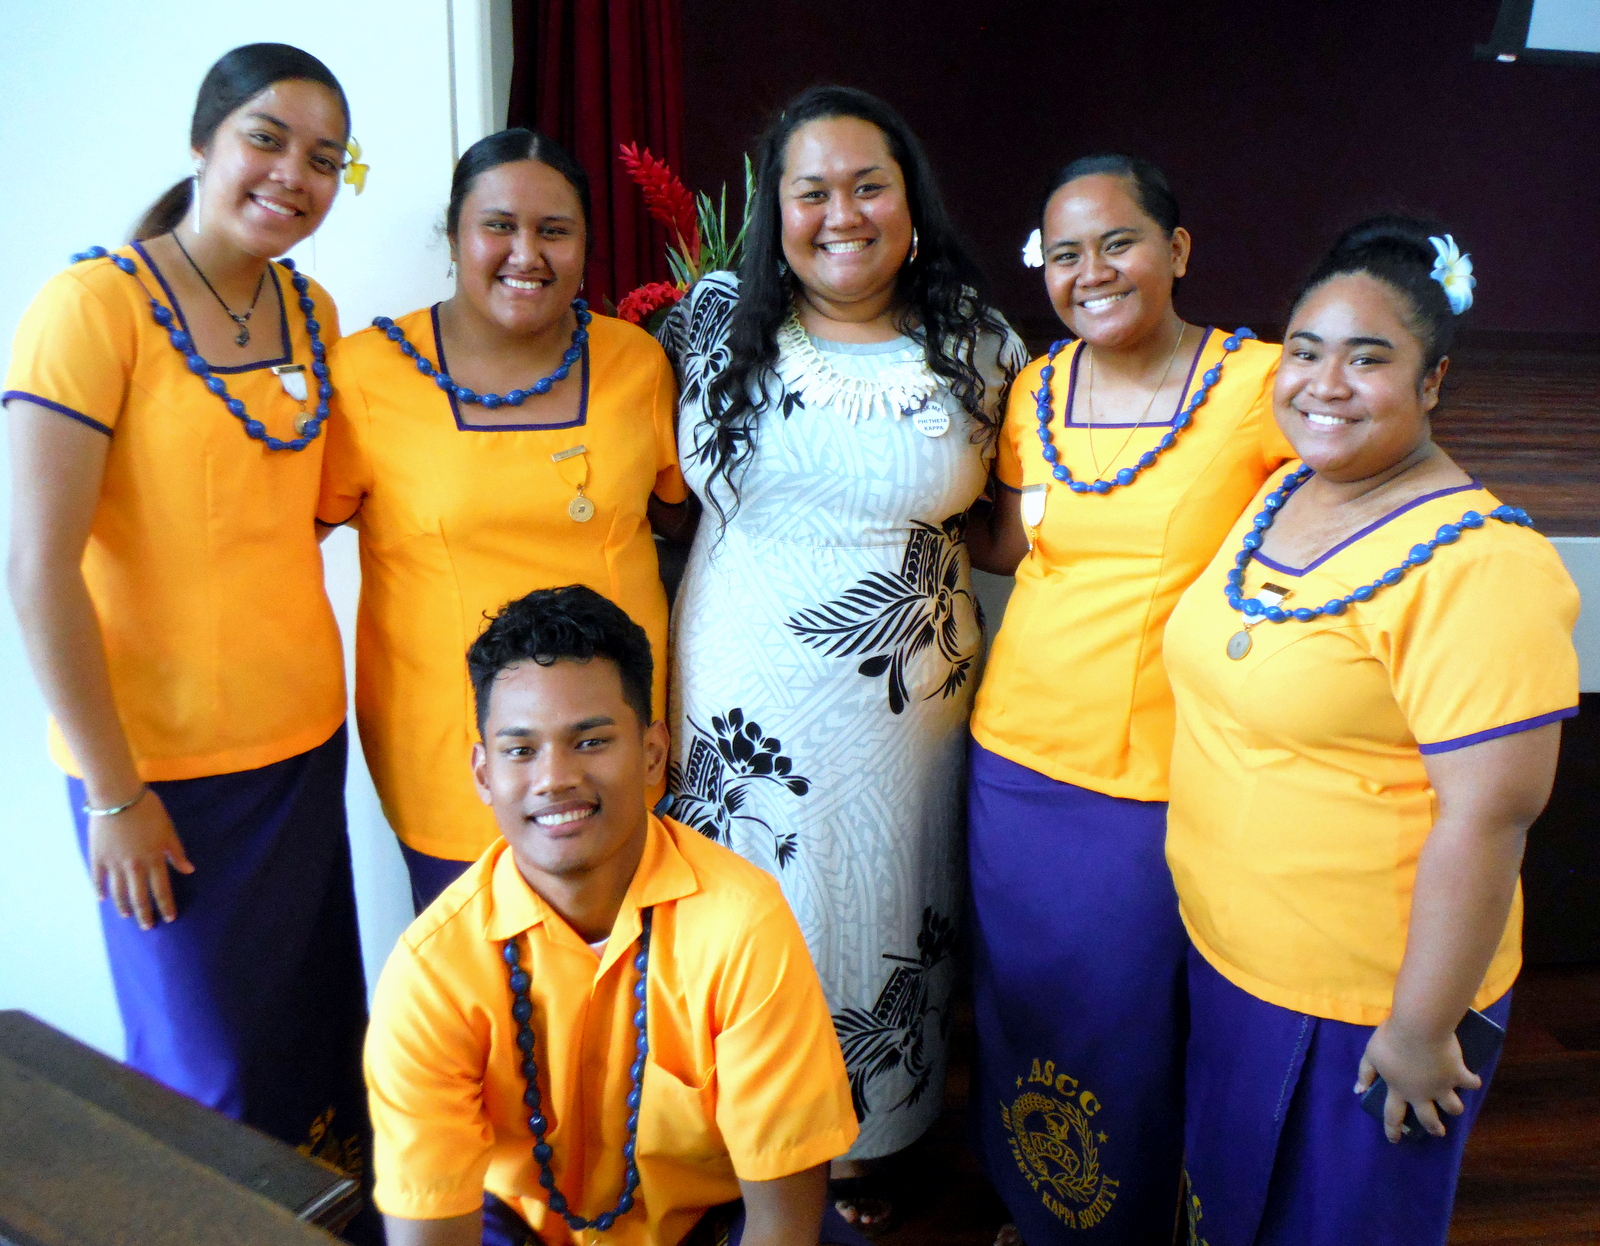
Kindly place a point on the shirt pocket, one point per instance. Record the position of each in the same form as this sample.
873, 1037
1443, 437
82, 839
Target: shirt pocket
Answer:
678, 1120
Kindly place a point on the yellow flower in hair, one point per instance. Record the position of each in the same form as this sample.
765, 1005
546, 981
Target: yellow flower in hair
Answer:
355, 173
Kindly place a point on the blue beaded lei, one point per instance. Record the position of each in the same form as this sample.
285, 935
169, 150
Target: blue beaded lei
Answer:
522, 1013
1448, 534
1127, 475
516, 397
184, 345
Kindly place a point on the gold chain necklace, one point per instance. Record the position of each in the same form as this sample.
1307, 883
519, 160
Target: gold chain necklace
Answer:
1089, 401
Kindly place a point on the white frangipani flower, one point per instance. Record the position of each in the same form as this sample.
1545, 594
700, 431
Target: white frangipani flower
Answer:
1453, 271
1032, 254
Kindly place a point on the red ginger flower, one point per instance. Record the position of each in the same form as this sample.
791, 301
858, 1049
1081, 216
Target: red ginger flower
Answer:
639, 305
666, 197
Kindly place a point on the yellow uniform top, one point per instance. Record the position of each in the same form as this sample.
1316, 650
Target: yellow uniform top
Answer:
1299, 798
744, 1078
1074, 687
202, 560
456, 521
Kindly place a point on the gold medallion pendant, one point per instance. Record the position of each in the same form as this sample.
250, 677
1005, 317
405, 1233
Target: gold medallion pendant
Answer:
581, 509
1269, 596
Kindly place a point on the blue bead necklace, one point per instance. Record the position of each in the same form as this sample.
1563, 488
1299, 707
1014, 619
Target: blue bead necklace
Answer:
1255, 611
308, 426
522, 1013
516, 397
1127, 475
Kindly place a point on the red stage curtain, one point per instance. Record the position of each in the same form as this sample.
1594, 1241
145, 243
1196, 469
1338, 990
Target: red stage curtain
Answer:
593, 74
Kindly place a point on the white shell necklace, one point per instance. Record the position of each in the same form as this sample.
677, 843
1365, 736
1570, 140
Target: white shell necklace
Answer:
897, 389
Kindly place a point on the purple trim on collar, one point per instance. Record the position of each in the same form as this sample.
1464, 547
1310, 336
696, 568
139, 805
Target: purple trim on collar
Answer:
1494, 733
455, 407
1367, 531
1072, 388
25, 396
177, 310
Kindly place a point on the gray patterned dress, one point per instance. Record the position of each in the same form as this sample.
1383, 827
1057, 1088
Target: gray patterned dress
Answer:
825, 651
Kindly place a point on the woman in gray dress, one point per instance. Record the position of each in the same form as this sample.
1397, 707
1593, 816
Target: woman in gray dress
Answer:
837, 419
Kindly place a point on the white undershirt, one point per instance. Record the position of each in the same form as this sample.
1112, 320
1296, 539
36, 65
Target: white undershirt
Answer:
599, 949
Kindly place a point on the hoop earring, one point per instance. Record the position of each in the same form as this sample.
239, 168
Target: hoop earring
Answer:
912, 258
194, 196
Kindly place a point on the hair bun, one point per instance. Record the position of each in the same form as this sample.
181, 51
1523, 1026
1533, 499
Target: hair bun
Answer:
1396, 238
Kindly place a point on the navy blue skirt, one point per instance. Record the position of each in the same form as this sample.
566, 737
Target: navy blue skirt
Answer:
253, 1001
1280, 1152
1081, 1008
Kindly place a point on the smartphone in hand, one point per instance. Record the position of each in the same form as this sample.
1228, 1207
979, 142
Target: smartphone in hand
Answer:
1480, 1039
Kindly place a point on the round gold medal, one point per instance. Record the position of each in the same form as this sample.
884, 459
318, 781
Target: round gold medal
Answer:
1238, 645
301, 423
581, 509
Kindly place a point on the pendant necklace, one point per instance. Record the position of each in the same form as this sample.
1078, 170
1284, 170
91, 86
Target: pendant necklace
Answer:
1139, 423
1044, 410
242, 338
522, 1014
290, 376
1256, 609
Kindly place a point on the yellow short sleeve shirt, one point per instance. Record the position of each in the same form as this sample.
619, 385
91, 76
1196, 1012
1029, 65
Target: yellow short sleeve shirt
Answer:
456, 521
744, 1078
202, 560
1074, 686
1300, 801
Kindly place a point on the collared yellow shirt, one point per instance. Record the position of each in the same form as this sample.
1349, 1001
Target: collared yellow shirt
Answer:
202, 560
1300, 799
744, 1078
1074, 687
456, 521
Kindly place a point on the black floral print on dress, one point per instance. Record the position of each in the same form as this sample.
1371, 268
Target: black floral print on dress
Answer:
892, 1035
711, 789
892, 618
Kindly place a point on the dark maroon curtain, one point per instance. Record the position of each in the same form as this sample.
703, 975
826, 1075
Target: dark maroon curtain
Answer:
593, 74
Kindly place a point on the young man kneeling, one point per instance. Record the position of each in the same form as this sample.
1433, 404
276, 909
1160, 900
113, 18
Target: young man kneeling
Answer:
608, 1026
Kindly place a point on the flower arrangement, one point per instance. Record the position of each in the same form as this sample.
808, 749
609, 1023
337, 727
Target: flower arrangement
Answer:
699, 228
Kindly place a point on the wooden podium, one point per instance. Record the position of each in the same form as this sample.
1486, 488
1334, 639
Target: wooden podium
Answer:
94, 1154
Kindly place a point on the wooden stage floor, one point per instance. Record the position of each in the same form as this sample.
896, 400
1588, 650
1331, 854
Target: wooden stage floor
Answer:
1525, 419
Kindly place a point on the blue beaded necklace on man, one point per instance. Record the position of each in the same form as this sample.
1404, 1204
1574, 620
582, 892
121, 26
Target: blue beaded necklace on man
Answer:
308, 426
516, 397
1045, 401
522, 1014
1255, 610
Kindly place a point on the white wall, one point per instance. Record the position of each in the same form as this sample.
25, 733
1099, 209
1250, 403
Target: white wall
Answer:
94, 125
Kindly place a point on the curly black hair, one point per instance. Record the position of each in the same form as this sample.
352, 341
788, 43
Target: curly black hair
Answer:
941, 289
552, 624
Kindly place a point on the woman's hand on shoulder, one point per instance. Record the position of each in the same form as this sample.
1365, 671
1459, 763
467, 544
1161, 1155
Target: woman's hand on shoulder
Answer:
1424, 1071
129, 855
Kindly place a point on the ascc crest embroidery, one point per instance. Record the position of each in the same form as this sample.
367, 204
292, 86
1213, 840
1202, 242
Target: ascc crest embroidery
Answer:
1058, 1148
